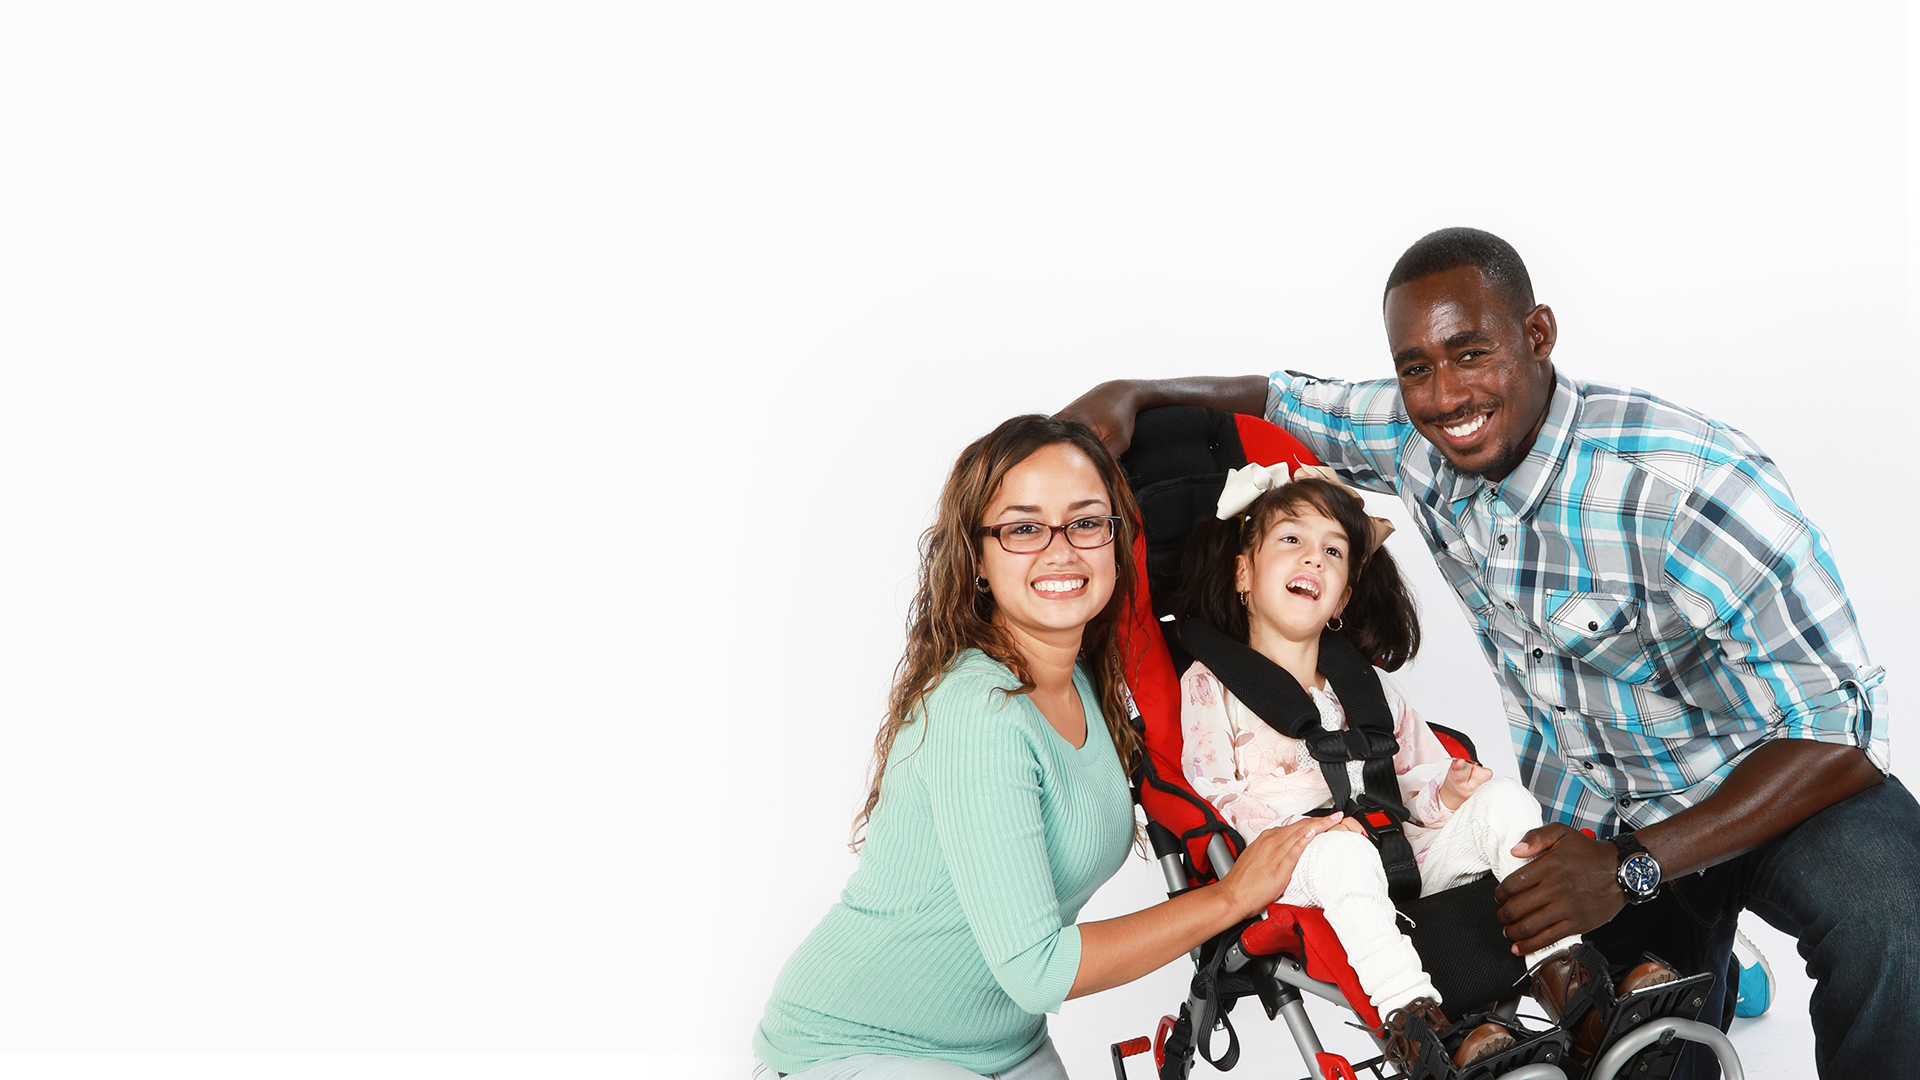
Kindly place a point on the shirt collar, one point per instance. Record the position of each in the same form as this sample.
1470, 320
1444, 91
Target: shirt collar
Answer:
1527, 485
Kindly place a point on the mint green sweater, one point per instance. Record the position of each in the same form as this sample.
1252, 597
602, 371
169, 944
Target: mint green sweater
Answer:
955, 936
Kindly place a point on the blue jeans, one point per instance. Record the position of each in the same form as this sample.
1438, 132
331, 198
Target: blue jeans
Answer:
1846, 884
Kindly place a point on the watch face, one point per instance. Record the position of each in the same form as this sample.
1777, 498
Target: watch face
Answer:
1640, 874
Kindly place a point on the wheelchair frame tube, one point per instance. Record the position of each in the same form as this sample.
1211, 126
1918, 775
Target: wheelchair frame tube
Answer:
1654, 1031
1304, 1037
1290, 972
1220, 855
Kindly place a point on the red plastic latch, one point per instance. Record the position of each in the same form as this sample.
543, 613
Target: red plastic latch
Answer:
1334, 1067
1379, 820
1588, 833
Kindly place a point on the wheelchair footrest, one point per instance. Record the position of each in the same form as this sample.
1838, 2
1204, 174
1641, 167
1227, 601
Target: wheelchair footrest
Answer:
1532, 1046
1681, 999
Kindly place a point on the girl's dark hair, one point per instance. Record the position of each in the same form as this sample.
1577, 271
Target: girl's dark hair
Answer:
950, 614
1380, 618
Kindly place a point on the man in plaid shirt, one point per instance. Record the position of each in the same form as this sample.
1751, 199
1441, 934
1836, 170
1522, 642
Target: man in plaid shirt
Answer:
1680, 665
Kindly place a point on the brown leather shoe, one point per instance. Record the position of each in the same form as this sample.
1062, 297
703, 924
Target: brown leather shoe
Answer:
1483, 1042
1648, 973
1554, 981
1401, 1050
1558, 976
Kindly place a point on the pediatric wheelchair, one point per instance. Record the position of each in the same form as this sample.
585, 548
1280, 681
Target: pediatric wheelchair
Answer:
1177, 466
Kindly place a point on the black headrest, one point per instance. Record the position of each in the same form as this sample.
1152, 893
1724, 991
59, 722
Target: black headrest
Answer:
1177, 464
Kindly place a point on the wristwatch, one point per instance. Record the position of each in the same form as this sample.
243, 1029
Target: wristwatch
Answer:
1639, 872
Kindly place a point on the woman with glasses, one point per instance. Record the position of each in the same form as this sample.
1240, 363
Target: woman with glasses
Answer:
999, 800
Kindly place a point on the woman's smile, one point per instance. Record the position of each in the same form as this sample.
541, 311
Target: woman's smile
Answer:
1061, 586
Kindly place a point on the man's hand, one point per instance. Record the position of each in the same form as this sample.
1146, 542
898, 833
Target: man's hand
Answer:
1568, 888
1108, 409
1463, 779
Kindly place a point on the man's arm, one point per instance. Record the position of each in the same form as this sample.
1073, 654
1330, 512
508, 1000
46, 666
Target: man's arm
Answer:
1570, 888
1110, 407
1755, 578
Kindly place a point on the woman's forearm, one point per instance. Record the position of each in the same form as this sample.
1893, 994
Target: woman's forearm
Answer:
1116, 951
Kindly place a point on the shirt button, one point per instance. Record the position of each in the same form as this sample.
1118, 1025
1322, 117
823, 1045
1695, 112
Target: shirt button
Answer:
1561, 709
1593, 626
1509, 605
1503, 541
1625, 801
1537, 654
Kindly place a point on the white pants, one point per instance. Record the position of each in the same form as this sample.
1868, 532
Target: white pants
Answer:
1340, 873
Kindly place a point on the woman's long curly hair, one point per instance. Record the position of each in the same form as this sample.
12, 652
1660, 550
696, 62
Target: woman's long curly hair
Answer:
950, 614
1380, 618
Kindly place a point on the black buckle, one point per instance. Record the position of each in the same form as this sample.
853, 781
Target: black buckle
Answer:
1351, 744
1376, 817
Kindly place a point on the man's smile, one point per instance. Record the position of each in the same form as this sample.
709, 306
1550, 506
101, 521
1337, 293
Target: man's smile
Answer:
1463, 433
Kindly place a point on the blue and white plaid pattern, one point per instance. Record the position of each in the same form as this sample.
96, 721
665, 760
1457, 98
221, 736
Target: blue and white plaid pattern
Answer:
1650, 597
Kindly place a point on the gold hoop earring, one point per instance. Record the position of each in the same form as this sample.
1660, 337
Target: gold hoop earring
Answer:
980, 585
1335, 624
1243, 599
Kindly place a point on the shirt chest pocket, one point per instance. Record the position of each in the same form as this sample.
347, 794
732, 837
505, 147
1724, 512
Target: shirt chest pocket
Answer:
1599, 629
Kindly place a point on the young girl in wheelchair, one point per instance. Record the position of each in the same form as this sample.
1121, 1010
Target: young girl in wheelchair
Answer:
1285, 559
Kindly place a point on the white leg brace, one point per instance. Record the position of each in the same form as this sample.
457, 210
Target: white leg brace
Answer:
1340, 873
1480, 837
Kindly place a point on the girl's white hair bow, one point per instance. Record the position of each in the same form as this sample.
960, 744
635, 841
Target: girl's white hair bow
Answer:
1249, 482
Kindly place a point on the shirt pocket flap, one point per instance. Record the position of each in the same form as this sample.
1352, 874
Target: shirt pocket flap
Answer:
1598, 628
1589, 616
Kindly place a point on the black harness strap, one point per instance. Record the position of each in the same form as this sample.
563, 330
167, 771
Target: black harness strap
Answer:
1276, 697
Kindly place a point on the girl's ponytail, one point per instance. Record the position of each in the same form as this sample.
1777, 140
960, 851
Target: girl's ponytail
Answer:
1207, 571
1381, 619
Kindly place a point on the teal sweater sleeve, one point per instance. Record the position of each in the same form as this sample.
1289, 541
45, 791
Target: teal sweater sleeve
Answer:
983, 780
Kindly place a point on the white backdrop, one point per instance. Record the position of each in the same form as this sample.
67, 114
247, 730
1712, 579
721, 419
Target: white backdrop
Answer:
463, 463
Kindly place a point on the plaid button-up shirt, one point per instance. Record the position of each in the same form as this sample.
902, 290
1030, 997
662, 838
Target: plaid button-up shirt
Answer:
1646, 590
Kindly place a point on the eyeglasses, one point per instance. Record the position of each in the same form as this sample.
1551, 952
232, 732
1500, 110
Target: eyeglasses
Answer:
1027, 537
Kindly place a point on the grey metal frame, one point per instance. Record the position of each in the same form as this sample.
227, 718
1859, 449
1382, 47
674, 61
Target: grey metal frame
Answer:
1290, 972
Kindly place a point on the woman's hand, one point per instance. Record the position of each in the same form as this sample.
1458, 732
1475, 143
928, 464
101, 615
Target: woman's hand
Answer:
1263, 870
1115, 951
1463, 779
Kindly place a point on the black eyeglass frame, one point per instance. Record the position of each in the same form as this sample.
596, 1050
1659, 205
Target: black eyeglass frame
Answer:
1113, 533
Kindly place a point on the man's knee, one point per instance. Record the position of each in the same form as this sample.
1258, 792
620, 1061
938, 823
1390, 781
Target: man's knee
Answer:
1863, 852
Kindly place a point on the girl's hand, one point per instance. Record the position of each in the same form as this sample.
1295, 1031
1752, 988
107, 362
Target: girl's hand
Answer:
1263, 870
1463, 779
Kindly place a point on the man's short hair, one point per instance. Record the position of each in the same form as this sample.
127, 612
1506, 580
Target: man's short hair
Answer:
1448, 249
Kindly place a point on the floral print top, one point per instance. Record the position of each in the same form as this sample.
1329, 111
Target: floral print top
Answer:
1257, 778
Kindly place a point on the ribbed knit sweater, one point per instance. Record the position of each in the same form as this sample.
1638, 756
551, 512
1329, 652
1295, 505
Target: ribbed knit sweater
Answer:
955, 936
